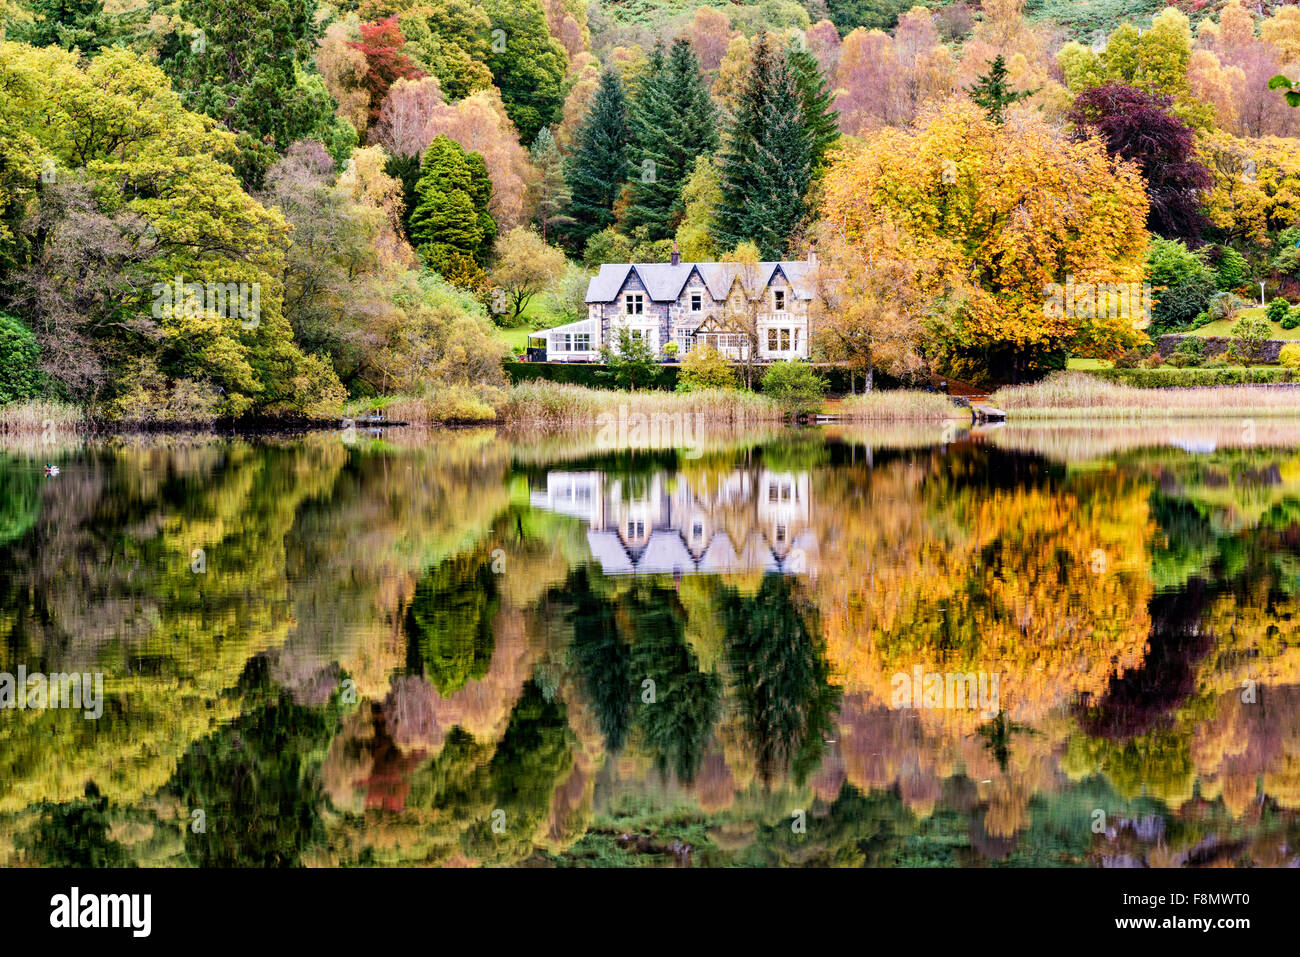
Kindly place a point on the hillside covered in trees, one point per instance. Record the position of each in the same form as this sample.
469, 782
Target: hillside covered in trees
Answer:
275, 207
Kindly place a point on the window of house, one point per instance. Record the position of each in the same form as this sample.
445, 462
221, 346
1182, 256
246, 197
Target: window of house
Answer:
637, 333
785, 340
772, 493
697, 301
779, 296
697, 530
780, 533
582, 342
635, 303
635, 529
771, 340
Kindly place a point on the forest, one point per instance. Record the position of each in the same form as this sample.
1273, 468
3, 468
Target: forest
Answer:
290, 208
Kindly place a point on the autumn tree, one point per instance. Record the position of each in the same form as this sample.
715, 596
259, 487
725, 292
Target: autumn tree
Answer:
525, 266
992, 215
1138, 127
386, 63
871, 309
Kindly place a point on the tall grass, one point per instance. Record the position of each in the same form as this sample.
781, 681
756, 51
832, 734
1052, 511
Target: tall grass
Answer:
41, 416
900, 405
1081, 396
559, 404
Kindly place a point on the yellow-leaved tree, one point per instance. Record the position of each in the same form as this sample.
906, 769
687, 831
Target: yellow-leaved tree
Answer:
996, 220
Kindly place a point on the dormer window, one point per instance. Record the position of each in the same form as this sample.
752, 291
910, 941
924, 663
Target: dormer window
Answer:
635, 303
697, 302
778, 297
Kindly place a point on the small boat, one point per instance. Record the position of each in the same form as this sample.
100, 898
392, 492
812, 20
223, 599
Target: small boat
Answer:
51, 470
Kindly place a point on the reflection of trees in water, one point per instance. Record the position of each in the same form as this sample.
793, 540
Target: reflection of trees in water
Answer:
257, 780
621, 641
1144, 699
449, 623
601, 658
780, 679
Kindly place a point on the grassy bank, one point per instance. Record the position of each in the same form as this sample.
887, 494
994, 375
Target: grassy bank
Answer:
1081, 396
900, 405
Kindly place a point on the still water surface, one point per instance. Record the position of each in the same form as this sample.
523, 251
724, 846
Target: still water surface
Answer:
473, 648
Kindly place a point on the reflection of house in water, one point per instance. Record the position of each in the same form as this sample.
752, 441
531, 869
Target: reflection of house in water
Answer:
661, 523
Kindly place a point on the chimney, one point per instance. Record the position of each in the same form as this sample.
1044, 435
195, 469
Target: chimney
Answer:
677, 257
812, 253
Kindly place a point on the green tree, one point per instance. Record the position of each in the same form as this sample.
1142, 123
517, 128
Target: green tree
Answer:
673, 122
447, 224
629, 358
527, 65
701, 196
817, 100
550, 191
704, 367
1250, 333
795, 386
452, 40
77, 25
20, 369
598, 167
992, 92
766, 161
245, 63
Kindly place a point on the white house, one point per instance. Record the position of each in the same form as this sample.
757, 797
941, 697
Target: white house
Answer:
722, 304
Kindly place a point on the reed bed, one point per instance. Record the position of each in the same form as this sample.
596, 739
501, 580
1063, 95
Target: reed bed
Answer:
41, 416
1080, 396
900, 405
541, 403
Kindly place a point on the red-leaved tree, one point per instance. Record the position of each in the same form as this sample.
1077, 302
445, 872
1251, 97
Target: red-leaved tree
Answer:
381, 43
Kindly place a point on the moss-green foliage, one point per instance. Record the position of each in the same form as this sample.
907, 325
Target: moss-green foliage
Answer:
449, 625
20, 370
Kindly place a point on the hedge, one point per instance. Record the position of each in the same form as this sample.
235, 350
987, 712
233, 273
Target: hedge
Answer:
596, 376
1164, 377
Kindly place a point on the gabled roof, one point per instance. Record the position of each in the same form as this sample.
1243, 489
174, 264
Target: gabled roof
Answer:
664, 282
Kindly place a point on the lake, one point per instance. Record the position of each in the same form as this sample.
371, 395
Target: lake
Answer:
881, 646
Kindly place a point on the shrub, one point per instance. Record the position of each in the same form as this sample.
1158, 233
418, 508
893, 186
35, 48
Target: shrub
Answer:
795, 386
630, 359
1182, 360
1291, 319
1229, 265
1128, 359
704, 367
1277, 310
1224, 305
1215, 363
1251, 332
1290, 355
1202, 319
20, 371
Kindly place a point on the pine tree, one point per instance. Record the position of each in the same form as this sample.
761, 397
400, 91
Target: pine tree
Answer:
766, 163
599, 166
993, 93
480, 191
551, 191
673, 121
447, 224
820, 118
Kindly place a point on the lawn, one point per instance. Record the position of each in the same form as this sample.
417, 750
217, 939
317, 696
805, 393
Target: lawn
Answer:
1222, 327
538, 315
